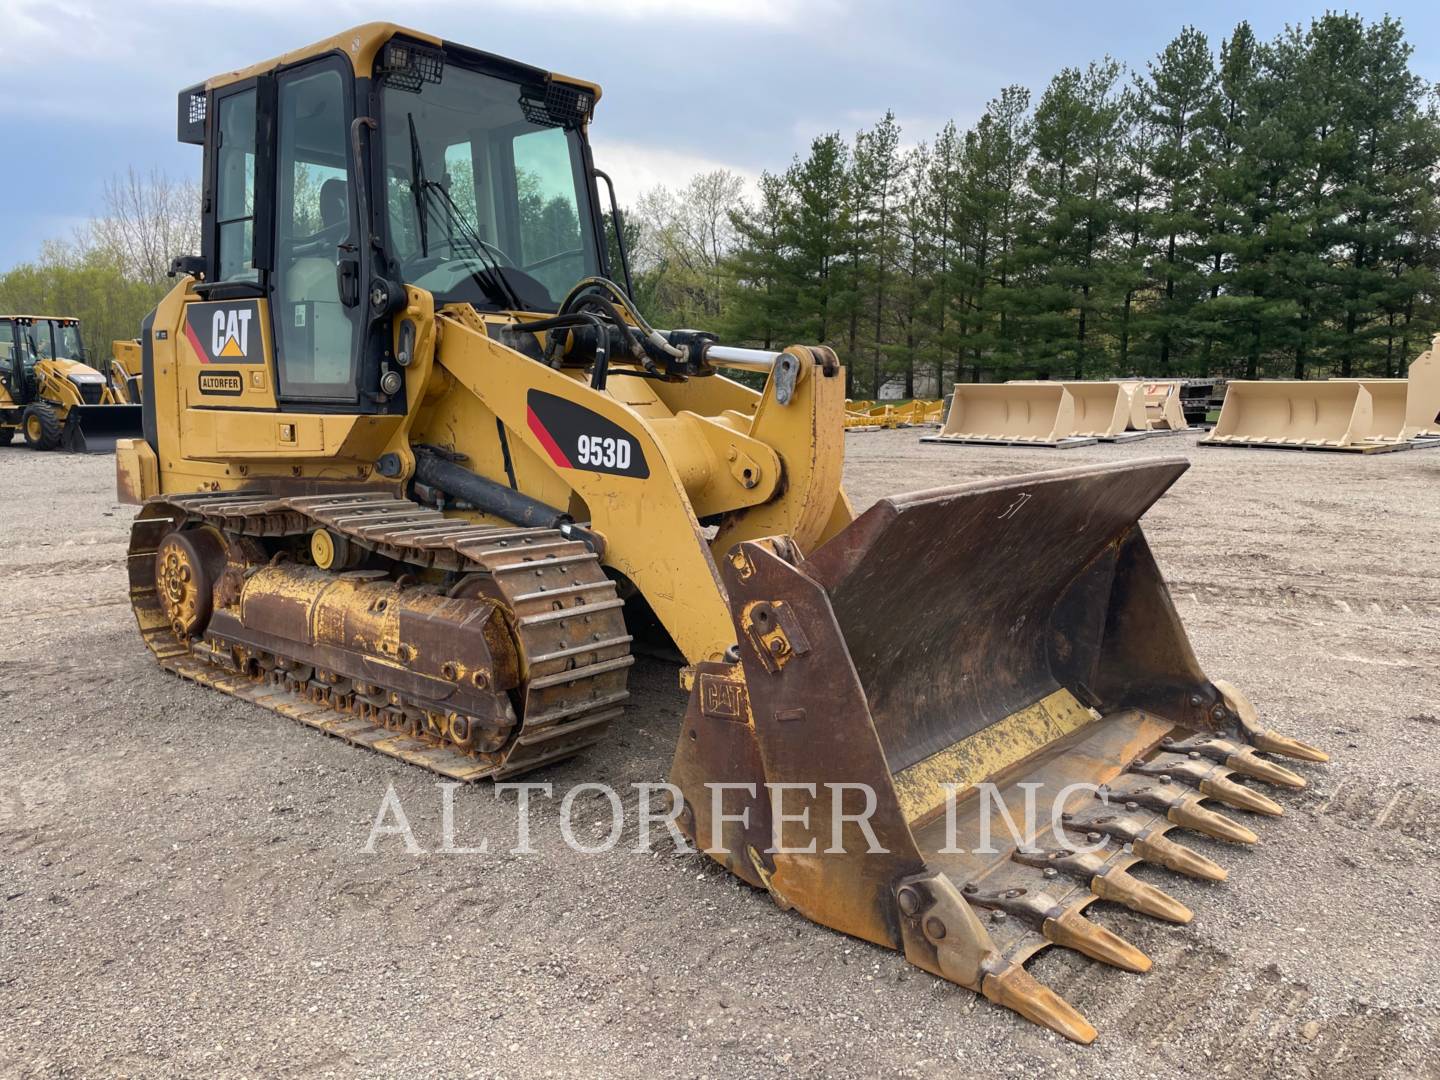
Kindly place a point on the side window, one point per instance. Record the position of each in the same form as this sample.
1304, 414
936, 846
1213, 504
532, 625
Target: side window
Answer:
314, 332
235, 187
551, 247
40, 334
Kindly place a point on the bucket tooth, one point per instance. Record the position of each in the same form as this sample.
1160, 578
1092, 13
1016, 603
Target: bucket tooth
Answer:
1014, 988
1196, 771
1106, 872
1269, 741
1163, 851
1181, 805
1074, 931
1242, 798
1239, 758
1274, 743
1119, 887
1189, 814
1248, 763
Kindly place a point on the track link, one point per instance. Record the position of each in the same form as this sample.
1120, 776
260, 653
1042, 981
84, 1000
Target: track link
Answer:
565, 617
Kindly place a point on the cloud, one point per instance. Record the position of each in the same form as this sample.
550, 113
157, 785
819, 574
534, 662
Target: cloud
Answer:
636, 167
37, 34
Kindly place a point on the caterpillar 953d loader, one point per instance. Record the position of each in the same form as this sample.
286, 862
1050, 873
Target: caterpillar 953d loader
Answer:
416, 471
48, 392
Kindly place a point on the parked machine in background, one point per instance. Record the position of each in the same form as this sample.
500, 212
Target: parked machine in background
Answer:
417, 472
124, 375
50, 394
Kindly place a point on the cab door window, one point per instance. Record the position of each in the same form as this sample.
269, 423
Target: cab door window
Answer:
7, 352
315, 332
235, 187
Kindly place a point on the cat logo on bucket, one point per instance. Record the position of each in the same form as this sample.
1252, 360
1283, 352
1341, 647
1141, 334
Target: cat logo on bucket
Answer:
225, 332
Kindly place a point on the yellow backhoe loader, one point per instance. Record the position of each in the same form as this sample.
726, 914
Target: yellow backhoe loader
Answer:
50, 394
418, 473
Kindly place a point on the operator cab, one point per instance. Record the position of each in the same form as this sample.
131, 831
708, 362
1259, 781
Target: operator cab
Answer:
17, 361
380, 158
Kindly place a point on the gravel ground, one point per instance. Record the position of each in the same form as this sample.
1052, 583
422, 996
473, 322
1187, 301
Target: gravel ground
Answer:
184, 890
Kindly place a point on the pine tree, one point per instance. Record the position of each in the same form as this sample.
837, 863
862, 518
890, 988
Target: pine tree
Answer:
763, 303
914, 274
995, 198
1178, 99
1388, 162
1228, 182
1133, 250
1077, 133
817, 229
877, 175
947, 228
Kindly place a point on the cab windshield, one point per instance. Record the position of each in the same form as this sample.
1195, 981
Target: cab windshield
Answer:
484, 206
67, 341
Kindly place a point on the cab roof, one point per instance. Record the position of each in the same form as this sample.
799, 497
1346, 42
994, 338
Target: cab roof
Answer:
362, 44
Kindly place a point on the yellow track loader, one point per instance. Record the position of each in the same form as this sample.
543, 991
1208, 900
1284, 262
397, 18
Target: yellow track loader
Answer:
417, 472
51, 395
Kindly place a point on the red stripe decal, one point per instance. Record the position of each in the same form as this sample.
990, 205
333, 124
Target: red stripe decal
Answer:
200, 353
547, 440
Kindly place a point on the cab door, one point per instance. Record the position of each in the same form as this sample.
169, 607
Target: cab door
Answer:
315, 308
276, 343
229, 362
11, 371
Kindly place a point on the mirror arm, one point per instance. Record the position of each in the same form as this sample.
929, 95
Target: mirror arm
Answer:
619, 230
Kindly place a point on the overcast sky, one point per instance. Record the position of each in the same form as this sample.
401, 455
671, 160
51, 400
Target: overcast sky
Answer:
87, 87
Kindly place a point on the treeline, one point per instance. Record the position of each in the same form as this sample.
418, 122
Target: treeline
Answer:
112, 272
1265, 209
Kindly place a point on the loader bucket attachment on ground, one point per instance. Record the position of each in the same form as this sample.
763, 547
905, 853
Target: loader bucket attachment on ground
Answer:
1102, 409
1036, 650
1422, 400
1297, 414
1387, 409
94, 429
1041, 414
1136, 418
1163, 411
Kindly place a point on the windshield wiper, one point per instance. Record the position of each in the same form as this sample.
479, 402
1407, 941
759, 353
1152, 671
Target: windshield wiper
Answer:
417, 187
494, 282
457, 221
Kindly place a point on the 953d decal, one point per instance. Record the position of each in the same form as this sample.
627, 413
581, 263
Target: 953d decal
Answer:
576, 438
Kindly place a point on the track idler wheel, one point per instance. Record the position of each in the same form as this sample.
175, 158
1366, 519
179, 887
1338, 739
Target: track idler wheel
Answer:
187, 565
